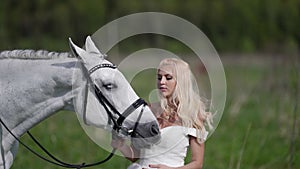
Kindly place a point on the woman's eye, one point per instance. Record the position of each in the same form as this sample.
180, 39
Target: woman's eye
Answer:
169, 77
166, 77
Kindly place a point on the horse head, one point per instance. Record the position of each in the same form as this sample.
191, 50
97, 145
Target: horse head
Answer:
108, 95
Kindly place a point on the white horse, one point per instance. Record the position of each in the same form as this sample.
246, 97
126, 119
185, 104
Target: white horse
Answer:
36, 84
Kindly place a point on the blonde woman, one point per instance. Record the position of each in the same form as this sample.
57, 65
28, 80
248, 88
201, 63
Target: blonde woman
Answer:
182, 117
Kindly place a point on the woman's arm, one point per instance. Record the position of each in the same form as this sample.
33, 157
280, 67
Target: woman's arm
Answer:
197, 152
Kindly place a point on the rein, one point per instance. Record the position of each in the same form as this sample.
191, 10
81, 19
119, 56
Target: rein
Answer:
109, 108
54, 160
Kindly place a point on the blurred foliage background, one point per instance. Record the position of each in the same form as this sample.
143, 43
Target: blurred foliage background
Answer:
258, 43
231, 25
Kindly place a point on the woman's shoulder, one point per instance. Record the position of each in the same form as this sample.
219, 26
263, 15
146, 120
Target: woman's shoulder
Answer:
197, 133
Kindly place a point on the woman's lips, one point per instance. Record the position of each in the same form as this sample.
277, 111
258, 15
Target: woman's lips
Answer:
163, 89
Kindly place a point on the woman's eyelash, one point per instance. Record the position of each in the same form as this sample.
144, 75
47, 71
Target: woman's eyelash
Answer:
167, 77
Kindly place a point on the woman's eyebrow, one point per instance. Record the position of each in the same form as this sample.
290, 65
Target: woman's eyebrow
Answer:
167, 74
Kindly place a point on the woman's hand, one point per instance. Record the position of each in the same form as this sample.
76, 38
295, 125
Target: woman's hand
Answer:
127, 151
160, 166
117, 142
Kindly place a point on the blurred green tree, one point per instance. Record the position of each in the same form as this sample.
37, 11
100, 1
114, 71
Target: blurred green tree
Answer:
231, 25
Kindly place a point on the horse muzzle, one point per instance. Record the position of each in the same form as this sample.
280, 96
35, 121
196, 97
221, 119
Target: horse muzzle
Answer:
146, 135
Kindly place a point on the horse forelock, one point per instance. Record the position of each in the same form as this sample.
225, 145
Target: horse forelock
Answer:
34, 54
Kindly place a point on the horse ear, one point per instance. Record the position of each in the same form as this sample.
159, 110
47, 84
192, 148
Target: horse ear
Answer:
91, 47
90, 59
75, 50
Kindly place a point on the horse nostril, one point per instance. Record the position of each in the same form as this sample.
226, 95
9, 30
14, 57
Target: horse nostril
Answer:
154, 129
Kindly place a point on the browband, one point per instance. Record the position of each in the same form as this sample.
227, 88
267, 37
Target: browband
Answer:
93, 69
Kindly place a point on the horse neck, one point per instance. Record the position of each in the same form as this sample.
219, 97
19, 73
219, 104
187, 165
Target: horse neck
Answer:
33, 90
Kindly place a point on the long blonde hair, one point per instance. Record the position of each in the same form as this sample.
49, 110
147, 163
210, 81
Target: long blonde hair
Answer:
190, 108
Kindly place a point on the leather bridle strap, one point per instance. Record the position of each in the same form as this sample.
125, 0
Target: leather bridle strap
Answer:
93, 69
130, 109
108, 106
110, 109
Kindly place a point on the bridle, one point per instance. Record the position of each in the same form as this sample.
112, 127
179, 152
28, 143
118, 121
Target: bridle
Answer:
110, 110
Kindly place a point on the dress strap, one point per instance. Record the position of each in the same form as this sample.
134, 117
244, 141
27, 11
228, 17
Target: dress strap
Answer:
197, 133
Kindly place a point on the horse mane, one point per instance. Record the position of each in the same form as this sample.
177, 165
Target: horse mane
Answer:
33, 54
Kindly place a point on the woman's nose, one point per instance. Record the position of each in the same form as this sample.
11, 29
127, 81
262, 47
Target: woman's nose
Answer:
162, 80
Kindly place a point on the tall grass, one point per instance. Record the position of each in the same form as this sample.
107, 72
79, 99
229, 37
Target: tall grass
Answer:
259, 128
268, 107
63, 136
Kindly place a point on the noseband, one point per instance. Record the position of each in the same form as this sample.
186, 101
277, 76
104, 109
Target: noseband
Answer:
111, 110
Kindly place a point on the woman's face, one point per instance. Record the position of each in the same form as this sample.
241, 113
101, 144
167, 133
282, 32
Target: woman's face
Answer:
166, 81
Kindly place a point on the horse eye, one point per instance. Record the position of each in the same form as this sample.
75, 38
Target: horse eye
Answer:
109, 86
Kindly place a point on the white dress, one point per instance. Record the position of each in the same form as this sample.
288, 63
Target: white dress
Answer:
171, 150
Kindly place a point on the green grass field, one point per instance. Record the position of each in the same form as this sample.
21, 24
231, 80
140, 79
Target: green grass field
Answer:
259, 128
